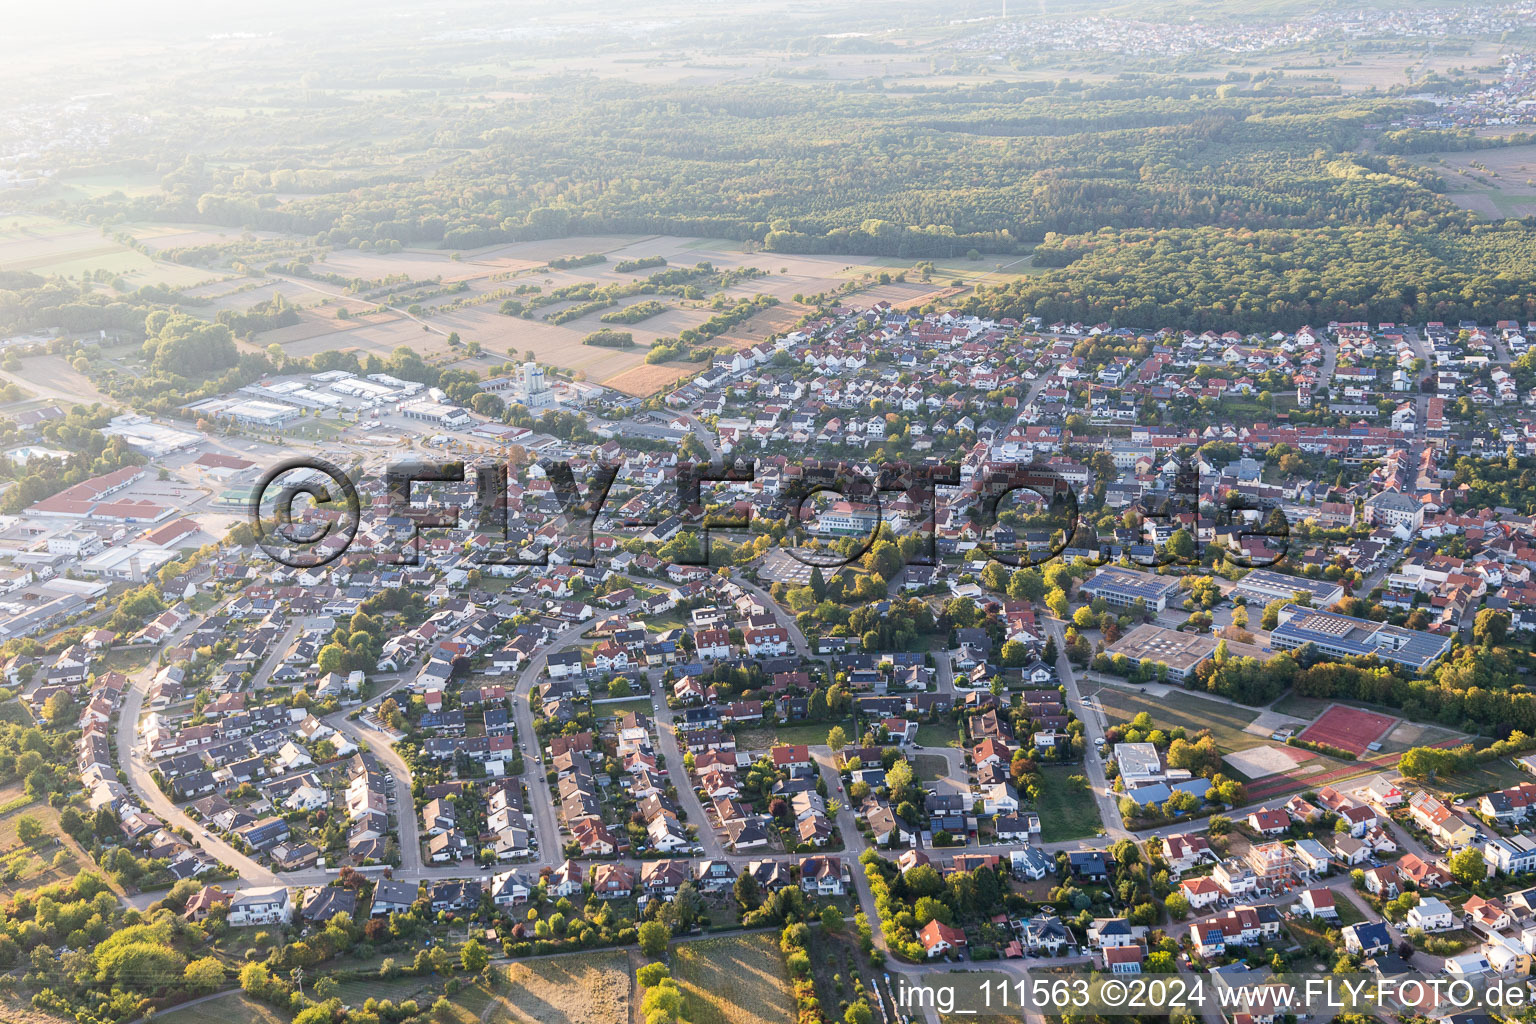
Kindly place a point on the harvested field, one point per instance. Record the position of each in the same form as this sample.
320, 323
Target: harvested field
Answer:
649, 378
1496, 183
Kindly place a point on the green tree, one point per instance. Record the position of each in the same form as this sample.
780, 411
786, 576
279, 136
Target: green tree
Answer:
1181, 544
391, 715
746, 892
56, 709
473, 957
28, 829
654, 937
1468, 866
204, 975
883, 559
652, 974
837, 737
1488, 629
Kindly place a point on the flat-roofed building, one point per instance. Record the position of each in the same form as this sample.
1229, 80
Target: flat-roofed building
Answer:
1348, 637
1265, 585
1181, 652
1122, 588
1139, 764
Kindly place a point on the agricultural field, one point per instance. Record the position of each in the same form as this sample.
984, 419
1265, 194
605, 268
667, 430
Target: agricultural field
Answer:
583, 988
649, 378
1067, 808
46, 246
93, 185
1177, 708
1496, 183
738, 980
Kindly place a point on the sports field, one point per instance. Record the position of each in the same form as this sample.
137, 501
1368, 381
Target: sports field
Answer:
1351, 729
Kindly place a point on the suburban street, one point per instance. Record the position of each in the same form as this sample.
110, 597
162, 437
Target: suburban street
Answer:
1093, 733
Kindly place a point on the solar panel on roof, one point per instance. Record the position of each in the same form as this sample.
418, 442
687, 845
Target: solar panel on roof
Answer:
1327, 625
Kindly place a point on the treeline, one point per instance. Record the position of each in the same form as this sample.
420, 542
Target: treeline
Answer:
1428, 762
636, 313
263, 316
643, 263
362, 287
1242, 279
718, 324
605, 338
579, 310
1419, 140
571, 262
686, 282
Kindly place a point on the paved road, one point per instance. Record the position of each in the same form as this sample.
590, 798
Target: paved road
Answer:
1093, 734
539, 799
543, 811
407, 831
796, 637
142, 782
672, 752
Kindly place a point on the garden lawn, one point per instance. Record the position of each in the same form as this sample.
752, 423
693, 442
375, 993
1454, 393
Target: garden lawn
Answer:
931, 766
639, 705
1479, 778
812, 734
938, 734
1348, 912
1067, 808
